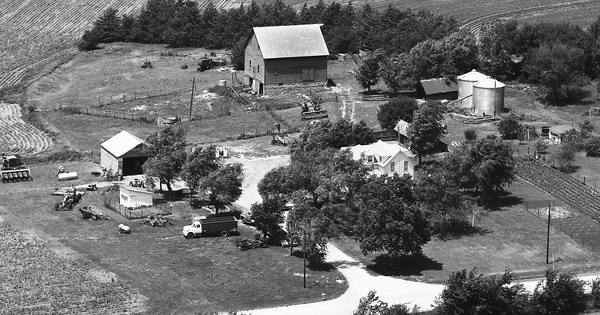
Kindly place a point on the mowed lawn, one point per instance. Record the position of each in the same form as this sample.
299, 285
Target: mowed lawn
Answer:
508, 238
177, 275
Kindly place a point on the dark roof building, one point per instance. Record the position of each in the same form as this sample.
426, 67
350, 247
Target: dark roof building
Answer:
285, 54
438, 89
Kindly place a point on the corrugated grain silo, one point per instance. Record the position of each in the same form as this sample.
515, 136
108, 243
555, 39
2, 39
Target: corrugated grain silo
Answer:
488, 97
466, 81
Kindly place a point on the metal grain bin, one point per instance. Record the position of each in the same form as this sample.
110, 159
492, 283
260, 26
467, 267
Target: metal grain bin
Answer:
466, 81
488, 97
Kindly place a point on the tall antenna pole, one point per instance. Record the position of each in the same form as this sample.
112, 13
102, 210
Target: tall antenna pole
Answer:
548, 236
192, 97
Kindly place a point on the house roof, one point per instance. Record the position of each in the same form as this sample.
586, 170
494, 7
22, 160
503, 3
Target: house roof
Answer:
438, 86
121, 143
560, 129
291, 41
380, 148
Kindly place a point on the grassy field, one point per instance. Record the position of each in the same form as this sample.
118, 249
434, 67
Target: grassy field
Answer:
173, 274
509, 238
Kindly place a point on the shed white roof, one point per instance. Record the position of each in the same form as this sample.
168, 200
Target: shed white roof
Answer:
473, 76
135, 189
121, 143
291, 41
489, 84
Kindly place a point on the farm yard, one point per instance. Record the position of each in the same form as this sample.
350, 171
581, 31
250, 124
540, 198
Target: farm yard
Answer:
77, 100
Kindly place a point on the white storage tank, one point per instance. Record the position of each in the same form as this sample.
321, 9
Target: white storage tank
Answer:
466, 81
488, 97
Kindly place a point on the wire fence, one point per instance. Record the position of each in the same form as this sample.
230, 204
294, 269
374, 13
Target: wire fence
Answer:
138, 213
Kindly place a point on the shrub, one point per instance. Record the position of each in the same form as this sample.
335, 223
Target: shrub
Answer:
470, 135
562, 294
564, 156
509, 128
541, 145
592, 146
596, 293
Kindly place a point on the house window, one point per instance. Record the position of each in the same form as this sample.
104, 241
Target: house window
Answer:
250, 65
370, 159
406, 166
392, 167
258, 69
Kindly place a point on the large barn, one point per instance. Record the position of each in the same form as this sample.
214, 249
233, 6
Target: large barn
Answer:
276, 55
123, 154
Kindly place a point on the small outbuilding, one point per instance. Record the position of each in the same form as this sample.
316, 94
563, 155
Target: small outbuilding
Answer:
556, 133
135, 197
123, 154
438, 89
288, 54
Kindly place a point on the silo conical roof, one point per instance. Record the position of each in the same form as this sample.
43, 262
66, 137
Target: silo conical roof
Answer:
473, 76
489, 84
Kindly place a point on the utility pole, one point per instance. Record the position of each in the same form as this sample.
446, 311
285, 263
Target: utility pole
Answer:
304, 256
548, 236
192, 97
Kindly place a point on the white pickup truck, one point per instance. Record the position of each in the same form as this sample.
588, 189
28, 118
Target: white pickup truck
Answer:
213, 225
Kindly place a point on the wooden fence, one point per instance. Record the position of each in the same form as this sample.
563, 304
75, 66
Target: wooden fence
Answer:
137, 213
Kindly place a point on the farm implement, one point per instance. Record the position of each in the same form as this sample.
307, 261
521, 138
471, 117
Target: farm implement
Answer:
89, 212
12, 169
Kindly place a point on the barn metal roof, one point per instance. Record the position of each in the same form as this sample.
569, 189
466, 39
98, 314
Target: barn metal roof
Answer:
439, 85
291, 41
121, 143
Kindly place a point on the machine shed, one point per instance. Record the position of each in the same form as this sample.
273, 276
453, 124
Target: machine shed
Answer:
123, 154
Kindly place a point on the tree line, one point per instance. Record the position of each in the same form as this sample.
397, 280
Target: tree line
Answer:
559, 57
468, 293
181, 23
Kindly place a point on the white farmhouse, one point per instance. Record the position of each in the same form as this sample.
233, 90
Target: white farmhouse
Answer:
385, 158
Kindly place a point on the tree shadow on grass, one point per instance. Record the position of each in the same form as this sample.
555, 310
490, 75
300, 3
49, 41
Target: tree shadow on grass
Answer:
408, 265
501, 200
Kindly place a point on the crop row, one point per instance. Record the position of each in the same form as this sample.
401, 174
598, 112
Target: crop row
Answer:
16, 136
32, 30
566, 188
476, 24
35, 280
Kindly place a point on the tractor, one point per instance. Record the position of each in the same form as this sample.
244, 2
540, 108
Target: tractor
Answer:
12, 169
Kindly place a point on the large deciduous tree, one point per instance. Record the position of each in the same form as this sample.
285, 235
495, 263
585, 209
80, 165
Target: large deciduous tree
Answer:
494, 46
446, 207
388, 219
390, 113
166, 155
199, 163
367, 70
426, 129
486, 164
474, 293
559, 69
224, 185
267, 215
